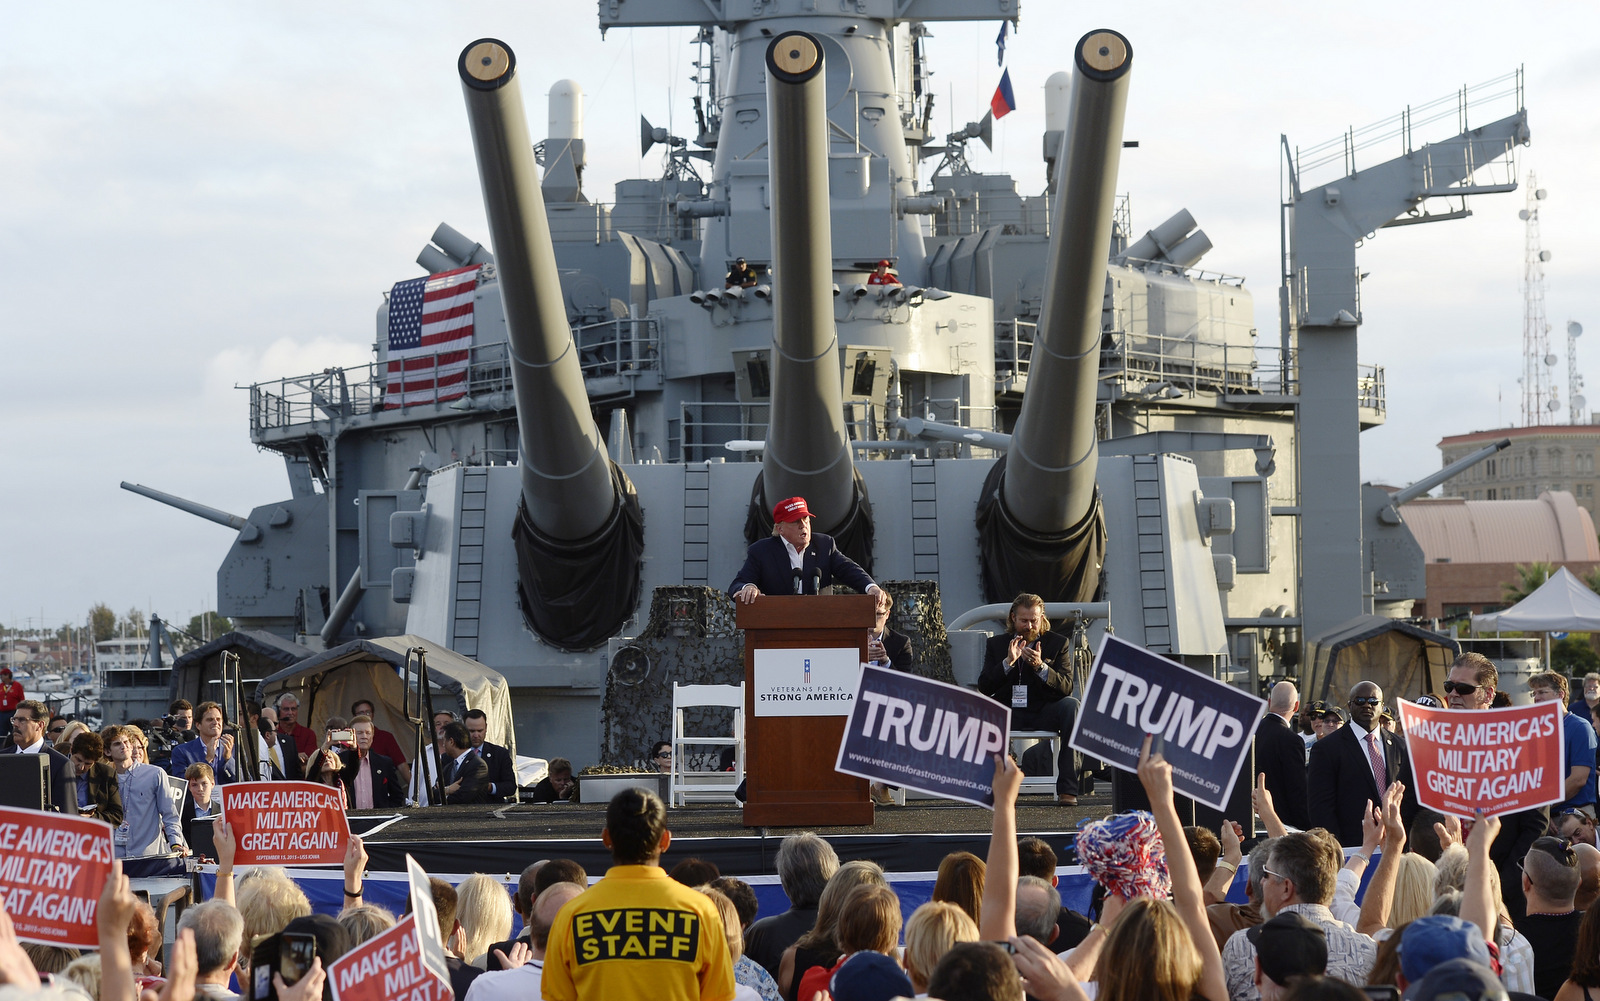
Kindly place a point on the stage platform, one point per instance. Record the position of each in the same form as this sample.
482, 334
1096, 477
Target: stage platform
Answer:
505, 838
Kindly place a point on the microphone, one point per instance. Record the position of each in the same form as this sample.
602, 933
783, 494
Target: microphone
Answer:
816, 582
799, 583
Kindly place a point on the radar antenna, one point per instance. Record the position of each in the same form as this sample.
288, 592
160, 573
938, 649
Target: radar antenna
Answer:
954, 162
675, 165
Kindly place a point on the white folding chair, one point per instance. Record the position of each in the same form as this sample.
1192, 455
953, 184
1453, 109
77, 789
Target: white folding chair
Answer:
1021, 740
705, 785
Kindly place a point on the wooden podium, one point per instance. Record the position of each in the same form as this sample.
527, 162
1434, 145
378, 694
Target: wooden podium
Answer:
790, 752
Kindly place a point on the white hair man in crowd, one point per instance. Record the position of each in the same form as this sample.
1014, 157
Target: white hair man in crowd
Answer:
218, 933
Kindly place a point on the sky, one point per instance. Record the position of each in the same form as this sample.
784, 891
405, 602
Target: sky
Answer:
198, 196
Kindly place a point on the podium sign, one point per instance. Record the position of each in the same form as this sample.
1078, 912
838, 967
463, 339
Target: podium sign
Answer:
792, 736
806, 682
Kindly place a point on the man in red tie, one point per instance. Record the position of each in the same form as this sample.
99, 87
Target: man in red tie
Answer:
1351, 767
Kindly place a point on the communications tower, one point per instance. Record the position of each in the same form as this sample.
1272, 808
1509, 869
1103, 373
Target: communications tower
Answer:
1539, 397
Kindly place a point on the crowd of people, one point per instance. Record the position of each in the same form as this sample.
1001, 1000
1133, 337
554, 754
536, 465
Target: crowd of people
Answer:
118, 774
1448, 911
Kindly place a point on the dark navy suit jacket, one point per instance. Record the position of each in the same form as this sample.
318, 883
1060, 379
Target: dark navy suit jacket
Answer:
766, 565
188, 753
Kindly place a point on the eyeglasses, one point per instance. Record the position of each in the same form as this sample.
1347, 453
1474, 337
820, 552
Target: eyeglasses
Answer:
57, 731
1276, 875
664, 754
1459, 688
1366, 700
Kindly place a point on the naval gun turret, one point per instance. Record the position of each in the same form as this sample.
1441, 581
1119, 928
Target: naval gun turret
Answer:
807, 449
578, 530
1040, 521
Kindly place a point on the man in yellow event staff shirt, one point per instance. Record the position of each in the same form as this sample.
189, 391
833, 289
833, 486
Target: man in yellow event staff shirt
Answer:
638, 935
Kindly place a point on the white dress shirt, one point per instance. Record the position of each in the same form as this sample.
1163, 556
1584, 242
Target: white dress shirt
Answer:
508, 985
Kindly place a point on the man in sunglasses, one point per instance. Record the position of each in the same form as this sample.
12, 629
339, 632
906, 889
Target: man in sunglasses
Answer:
1351, 767
1471, 685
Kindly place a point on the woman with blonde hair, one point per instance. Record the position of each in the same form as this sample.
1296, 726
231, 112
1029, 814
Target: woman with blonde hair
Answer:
64, 740
817, 946
267, 900
869, 921
933, 929
365, 922
1150, 955
734, 933
960, 882
85, 972
1413, 890
483, 909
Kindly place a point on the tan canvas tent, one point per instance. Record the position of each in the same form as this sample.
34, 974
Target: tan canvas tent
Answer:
1404, 660
329, 682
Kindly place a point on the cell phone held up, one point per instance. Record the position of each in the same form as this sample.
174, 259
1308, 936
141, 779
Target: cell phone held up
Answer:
288, 954
296, 950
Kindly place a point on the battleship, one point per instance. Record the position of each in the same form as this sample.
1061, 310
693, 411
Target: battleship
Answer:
1048, 399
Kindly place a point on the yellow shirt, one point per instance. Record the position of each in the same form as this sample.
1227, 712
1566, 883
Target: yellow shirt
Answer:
638, 935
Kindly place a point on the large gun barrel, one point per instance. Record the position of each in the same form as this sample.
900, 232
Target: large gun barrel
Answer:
1050, 471
579, 531
807, 452
566, 478
1040, 524
232, 521
1461, 465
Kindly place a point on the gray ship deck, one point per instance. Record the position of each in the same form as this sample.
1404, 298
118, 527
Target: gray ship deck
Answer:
912, 838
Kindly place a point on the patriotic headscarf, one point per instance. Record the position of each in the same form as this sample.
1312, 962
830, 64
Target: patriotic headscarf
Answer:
1124, 854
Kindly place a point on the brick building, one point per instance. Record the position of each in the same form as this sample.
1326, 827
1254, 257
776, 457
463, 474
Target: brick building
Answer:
1548, 457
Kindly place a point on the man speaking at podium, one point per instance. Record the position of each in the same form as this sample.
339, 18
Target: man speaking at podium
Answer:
794, 560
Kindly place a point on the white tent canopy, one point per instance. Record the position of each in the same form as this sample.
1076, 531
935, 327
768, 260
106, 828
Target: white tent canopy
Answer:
1561, 604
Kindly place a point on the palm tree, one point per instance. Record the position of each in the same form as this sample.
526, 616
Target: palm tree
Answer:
1530, 577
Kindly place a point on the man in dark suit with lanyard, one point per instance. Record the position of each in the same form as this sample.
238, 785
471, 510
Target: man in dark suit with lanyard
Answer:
795, 560
1027, 668
1352, 767
1281, 756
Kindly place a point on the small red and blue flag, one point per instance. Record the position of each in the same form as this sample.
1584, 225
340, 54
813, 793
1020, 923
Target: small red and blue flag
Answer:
1003, 102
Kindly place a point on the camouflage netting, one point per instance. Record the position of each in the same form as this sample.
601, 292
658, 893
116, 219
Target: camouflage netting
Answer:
691, 639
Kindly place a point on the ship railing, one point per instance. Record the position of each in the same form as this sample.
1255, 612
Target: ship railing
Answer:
1198, 274
1013, 350
702, 430
1369, 388
1187, 363
1013, 216
615, 348
1481, 102
338, 393
1320, 294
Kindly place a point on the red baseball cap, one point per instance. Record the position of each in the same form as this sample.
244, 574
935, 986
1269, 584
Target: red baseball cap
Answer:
792, 509
883, 264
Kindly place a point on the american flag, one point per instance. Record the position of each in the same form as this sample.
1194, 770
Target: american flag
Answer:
430, 334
